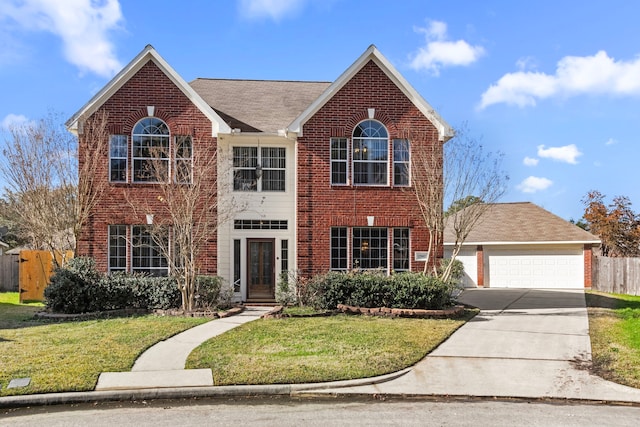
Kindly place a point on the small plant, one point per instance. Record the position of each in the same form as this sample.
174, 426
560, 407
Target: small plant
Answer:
285, 290
210, 293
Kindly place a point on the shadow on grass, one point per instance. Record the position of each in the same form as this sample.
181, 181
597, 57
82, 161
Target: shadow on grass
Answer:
609, 301
15, 316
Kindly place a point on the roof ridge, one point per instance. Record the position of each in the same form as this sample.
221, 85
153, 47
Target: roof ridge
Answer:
259, 80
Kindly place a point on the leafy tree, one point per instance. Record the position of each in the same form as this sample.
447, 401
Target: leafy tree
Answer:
460, 204
616, 224
47, 194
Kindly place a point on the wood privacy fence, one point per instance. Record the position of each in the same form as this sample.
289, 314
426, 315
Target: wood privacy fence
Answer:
9, 273
616, 275
29, 272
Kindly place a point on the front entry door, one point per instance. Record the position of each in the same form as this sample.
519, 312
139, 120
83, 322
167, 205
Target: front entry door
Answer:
261, 269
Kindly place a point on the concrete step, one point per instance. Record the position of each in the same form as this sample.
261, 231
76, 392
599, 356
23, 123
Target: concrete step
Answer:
155, 379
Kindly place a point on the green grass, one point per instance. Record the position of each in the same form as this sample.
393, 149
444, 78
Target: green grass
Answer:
614, 327
69, 356
318, 349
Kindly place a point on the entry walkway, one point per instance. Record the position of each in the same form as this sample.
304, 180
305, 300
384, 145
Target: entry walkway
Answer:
163, 364
524, 343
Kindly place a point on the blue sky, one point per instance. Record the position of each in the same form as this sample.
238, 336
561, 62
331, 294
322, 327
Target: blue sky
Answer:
554, 85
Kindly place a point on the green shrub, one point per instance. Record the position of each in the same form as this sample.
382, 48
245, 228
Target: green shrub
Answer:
210, 293
375, 289
79, 287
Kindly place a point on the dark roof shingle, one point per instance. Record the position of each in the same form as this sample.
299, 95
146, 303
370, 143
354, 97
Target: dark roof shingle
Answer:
258, 105
522, 222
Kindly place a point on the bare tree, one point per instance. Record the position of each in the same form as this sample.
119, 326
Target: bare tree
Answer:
43, 191
187, 212
471, 178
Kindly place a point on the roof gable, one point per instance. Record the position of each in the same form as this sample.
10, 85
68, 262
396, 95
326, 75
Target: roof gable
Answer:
146, 55
522, 222
445, 131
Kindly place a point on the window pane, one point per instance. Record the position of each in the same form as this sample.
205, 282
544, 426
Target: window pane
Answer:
338, 249
150, 150
117, 248
401, 249
146, 254
370, 154
370, 248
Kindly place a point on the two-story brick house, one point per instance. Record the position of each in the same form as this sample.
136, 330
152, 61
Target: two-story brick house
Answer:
323, 169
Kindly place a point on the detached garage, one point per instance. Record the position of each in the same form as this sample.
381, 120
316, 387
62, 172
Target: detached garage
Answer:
521, 245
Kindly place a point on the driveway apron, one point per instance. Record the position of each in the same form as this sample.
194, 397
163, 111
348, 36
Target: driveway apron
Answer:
526, 343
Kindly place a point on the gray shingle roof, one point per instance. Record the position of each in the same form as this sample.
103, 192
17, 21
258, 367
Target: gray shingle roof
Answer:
258, 105
522, 222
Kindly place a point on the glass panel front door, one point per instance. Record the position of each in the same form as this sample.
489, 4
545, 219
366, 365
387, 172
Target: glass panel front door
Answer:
261, 269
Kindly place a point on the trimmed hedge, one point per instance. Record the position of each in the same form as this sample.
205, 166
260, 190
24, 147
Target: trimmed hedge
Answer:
80, 288
373, 289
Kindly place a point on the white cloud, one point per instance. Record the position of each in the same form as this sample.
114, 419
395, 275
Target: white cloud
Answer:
83, 25
440, 52
530, 161
611, 141
534, 184
575, 75
568, 153
273, 9
12, 120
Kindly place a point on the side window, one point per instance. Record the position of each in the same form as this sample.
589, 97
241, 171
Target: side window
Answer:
150, 150
339, 248
400, 249
183, 160
274, 166
370, 153
117, 248
339, 161
245, 161
118, 158
401, 162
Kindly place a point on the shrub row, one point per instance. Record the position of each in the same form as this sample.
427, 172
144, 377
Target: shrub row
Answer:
372, 289
80, 288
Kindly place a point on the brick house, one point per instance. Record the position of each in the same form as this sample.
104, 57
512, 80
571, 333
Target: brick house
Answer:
322, 169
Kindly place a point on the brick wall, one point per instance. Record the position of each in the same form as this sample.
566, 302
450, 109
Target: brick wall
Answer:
320, 205
128, 203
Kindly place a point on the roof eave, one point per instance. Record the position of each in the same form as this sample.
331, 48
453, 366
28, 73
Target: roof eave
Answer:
148, 53
445, 131
549, 242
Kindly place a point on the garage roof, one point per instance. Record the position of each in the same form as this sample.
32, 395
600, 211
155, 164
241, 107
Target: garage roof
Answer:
523, 222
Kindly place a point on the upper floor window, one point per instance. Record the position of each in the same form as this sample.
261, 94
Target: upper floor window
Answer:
339, 161
370, 153
118, 158
401, 162
183, 160
150, 150
261, 169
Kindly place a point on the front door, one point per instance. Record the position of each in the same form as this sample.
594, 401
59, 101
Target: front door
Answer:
261, 269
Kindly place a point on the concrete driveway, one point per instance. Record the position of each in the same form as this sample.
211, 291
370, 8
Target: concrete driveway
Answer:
524, 343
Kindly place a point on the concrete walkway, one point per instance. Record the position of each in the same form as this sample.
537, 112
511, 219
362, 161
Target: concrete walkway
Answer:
162, 365
523, 344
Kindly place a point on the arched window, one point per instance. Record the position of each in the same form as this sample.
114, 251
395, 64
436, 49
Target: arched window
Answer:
150, 150
370, 153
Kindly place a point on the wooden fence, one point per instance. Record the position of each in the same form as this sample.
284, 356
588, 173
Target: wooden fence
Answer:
616, 275
9, 273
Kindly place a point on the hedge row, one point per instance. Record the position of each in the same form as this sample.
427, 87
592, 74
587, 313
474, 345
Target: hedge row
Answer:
80, 288
367, 289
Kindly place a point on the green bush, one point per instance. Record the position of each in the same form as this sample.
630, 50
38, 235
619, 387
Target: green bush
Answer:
210, 293
375, 289
79, 287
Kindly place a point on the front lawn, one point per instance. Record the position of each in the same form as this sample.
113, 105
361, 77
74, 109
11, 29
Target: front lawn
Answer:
69, 356
318, 349
614, 326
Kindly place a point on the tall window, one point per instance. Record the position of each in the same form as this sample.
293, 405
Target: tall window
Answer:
118, 158
400, 249
273, 168
183, 160
236, 265
370, 153
339, 161
339, 248
259, 170
146, 254
150, 150
117, 248
401, 162
370, 247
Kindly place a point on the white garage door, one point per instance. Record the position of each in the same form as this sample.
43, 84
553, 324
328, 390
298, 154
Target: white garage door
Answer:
543, 267
469, 260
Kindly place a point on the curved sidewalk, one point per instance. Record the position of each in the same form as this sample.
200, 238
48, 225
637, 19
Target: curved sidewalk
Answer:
162, 365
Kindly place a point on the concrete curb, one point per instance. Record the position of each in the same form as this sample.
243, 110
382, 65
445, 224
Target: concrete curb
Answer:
283, 390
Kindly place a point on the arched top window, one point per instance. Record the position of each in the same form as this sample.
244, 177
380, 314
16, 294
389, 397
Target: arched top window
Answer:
370, 153
150, 150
